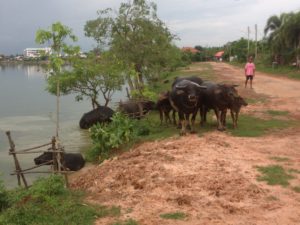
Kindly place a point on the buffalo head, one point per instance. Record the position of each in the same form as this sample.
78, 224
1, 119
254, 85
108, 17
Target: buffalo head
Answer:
190, 89
45, 157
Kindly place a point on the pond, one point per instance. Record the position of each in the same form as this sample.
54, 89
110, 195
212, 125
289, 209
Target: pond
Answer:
28, 111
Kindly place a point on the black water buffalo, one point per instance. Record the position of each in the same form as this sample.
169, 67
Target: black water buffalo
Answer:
197, 80
185, 98
136, 109
163, 105
71, 161
101, 114
235, 108
218, 97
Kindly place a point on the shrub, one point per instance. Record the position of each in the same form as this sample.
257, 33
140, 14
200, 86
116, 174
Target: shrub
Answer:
110, 136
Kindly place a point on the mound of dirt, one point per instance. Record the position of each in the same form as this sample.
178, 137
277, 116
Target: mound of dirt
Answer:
211, 179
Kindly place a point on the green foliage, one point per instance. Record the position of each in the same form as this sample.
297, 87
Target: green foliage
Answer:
48, 202
110, 136
174, 216
138, 38
274, 175
91, 77
283, 36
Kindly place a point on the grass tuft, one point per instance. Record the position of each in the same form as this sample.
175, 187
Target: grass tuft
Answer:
174, 216
296, 189
126, 222
278, 113
274, 175
280, 159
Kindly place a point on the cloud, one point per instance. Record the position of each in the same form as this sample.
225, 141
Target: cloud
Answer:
196, 22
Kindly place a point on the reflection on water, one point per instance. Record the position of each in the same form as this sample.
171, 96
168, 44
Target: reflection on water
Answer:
28, 111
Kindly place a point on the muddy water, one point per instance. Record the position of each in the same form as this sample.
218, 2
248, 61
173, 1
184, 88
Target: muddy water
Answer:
28, 111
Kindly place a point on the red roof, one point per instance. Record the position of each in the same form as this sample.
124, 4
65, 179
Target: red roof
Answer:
219, 54
190, 49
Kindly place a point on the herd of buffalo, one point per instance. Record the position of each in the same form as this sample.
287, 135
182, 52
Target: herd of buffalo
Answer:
187, 96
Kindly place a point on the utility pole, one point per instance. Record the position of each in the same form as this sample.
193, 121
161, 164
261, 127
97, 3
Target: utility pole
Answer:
248, 41
255, 41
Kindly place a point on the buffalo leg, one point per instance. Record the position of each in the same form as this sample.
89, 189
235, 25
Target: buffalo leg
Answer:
193, 122
218, 115
187, 119
161, 116
183, 123
233, 117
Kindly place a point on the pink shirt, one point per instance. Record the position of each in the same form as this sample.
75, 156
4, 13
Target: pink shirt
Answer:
249, 69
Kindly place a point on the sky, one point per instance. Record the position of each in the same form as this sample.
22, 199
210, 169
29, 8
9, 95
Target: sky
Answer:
195, 22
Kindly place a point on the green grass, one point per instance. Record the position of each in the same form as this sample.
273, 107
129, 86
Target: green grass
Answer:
296, 189
256, 100
174, 216
126, 222
278, 113
274, 175
249, 126
294, 171
48, 202
280, 159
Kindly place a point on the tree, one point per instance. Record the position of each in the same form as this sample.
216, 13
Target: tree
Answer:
275, 36
291, 34
137, 37
90, 78
56, 36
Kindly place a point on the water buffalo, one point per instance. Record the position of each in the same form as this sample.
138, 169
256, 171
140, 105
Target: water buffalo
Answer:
136, 109
235, 108
71, 161
196, 80
101, 114
163, 105
185, 98
218, 97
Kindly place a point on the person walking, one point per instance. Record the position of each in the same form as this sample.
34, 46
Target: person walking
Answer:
249, 71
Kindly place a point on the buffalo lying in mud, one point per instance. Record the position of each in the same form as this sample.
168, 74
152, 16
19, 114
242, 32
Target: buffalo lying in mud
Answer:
136, 109
185, 98
71, 161
102, 114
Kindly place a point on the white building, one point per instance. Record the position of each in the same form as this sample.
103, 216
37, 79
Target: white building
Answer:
36, 52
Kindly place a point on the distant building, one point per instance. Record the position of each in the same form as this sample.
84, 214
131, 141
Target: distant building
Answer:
190, 49
219, 56
36, 52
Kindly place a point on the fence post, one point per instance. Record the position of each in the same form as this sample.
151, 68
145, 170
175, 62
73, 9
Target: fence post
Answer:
54, 156
17, 164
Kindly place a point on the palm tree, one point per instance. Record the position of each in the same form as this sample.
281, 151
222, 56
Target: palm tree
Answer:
273, 33
291, 35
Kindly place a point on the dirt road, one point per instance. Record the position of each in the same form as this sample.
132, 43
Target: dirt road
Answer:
210, 178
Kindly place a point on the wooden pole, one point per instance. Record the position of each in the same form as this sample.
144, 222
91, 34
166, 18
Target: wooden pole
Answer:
17, 164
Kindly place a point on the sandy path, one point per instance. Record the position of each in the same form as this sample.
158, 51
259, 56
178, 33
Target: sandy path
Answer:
211, 178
